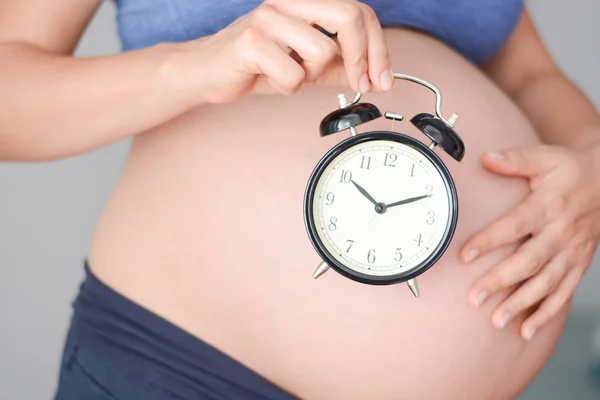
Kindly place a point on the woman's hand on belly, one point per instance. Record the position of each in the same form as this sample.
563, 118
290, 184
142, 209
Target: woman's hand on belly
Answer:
560, 221
278, 47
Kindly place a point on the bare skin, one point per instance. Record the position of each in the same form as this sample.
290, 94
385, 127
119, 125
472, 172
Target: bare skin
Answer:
176, 238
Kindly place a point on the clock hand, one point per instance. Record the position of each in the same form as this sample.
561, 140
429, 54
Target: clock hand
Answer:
406, 201
364, 193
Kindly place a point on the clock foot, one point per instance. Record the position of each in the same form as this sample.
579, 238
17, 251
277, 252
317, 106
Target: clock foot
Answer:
321, 269
414, 287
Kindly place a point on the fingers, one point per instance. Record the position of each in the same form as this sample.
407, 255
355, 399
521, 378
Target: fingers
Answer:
262, 56
525, 162
532, 291
315, 49
524, 263
525, 219
378, 56
354, 28
553, 303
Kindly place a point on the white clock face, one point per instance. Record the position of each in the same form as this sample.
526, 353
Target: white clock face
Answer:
381, 208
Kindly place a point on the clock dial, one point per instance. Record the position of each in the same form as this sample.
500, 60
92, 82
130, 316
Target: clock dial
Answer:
382, 208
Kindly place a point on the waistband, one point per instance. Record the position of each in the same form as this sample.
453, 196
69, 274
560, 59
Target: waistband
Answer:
141, 341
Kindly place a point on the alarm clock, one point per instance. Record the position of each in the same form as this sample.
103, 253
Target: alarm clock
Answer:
381, 207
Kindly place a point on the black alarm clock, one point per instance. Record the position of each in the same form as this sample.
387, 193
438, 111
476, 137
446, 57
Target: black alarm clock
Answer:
381, 207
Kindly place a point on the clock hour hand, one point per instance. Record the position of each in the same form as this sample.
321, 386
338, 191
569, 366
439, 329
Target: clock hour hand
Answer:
364, 193
406, 201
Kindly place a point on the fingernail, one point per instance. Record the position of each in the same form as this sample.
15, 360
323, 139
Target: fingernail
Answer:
471, 255
363, 83
386, 80
499, 156
481, 298
528, 334
504, 320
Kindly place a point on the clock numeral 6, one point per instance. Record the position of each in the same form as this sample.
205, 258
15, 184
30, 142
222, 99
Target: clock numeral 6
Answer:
346, 176
431, 218
330, 197
371, 256
332, 223
398, 256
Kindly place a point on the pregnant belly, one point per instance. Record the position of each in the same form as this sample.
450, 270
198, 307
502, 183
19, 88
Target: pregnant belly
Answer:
205, 228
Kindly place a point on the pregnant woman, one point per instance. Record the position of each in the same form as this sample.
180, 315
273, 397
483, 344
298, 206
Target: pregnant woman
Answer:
199, 276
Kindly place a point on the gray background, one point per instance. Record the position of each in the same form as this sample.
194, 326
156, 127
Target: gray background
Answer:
48, 212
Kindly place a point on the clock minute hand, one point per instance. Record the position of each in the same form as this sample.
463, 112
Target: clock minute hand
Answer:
406, 201
364, 193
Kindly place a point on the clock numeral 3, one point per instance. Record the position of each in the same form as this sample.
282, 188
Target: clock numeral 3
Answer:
351, 243
431, 218
346, 176
398, 256
330, 197
371, 256
418, 240
390, 160
333, 223
367, 164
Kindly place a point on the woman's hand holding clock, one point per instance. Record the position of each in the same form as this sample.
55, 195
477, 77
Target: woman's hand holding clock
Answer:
279, 47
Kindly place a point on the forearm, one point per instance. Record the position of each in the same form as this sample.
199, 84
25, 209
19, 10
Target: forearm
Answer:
58, 106
560, 112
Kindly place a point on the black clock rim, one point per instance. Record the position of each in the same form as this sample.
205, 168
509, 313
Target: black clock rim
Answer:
312, 228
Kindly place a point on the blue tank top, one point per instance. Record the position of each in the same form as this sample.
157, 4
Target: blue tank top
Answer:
475, 28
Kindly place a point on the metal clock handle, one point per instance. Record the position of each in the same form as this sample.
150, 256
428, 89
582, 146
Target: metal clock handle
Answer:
438, 97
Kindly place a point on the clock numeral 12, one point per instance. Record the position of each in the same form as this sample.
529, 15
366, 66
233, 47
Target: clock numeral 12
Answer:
390, 160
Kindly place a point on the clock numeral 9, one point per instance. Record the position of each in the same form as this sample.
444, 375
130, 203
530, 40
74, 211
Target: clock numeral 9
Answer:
398, 256
431, 218
330, 197
390, 160
333, 224
371, 256
346, 176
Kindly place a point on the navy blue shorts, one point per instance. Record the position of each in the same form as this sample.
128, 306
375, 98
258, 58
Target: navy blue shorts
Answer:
117, 350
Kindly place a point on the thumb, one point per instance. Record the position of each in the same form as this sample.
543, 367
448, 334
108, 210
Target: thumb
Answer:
524, 162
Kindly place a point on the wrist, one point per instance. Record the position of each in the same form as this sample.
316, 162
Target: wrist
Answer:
181, 71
